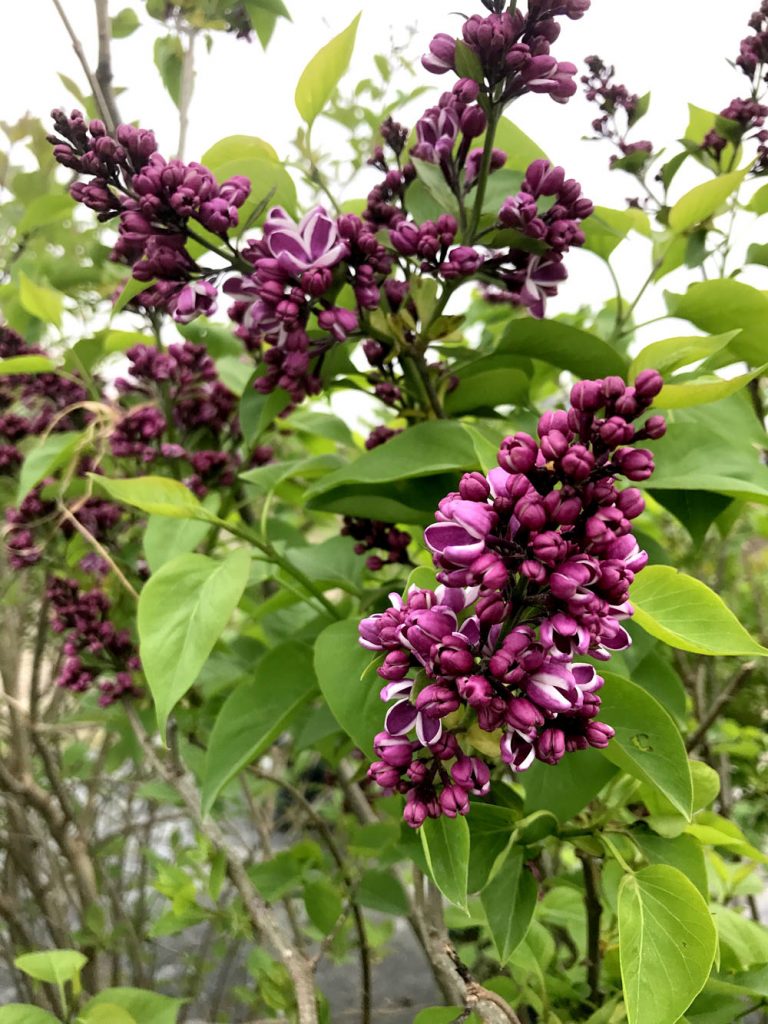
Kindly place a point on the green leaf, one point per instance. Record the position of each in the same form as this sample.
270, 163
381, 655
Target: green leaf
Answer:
124, 23
684, 613
703, 201
257, 412
433, 179
183, 610
520, 149
724, 305
254, 715
106, 1013
323, 904
674, 353
605, 229
743, 943
131, 289
22, 1013
145, 1007
647, 744
468, 64
55, 967
378, 483
382, 891
340, 662
446, 848
157, 495
681, 852
564, 794
166, 538
667, 944
43, 303
701, 122
53, 452
268, 179
169, 59
563, 346
45, 210
641, 109
17, 365
487, 382
703, 390
509, 900
321, 76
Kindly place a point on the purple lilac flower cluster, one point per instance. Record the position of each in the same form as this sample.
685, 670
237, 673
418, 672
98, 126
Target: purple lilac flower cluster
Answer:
284, 309
93, 647
513, 50
614, 99
535, 562
180, 412
157, 202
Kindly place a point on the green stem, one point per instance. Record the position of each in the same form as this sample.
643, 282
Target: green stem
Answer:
482, 178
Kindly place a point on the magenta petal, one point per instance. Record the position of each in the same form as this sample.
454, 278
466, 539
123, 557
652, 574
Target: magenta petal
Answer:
317, 236
332, 257
288, 241
398, 689
400, 718
428, 730
441, 535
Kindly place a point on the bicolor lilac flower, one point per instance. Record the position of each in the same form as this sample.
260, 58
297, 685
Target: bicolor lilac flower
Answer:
312, 244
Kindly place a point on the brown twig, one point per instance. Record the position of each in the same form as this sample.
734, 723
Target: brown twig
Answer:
725, 695
594, 912
93, 82
104, 66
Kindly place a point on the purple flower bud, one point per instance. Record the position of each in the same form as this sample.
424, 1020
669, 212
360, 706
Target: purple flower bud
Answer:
416, 810
616, 431
655, 427
445, 747
613, 388
454, 800
524, 716
396, 751
635, 463
437, 701
472, 774
647, 385
475, 690
518, 454
491, 608
466, 90
550, 745
195, 299
395, 666
542, 179
599, 734
577, 463
473, 122
631, 502
531, 512
474, 487
385, 775
489, 571
587, 395
442, 54
549, 547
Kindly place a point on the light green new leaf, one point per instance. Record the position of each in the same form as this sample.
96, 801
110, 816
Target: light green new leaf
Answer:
26, 364
340, 663
106, 1013
647, 744
166, 538
45, 210
131, 289
23, 1013
44, 303
520, 149
255, 714
169, 59
45, 458
124, 23
183, 610
566, 347
157, 495
703, 201
682, 852
704, 390
605, 229
684, 613
446, 848
55, 967
667, 944
674, 353
509, 900
724, 305
145, 1007
321, 76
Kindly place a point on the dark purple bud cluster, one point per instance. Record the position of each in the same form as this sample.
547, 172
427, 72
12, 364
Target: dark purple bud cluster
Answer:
513, 50
457, 118
535, 563
156, 201
371, 534
96, 651
614, 101
753, 50
183, 379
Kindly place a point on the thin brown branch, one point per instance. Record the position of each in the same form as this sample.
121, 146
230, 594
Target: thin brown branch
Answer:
104, 66
594, 911
259, 913
725, 695
186, 89
93, 82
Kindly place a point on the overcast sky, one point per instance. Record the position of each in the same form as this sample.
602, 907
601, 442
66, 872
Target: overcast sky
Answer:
677, 48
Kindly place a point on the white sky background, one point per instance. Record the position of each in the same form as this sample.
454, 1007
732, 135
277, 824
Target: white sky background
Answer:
676, 48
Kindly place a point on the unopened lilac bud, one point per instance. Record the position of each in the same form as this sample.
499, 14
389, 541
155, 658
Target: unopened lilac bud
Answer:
635, 463
631, 502
533, 570
442, 54
491, 608
437, 701
626, 405
542, 179
374, 351
490, 571
518, 454
417, 772
549, 547
416, 811
522, 714
616, 431
599, 734
474, 487
466, 90
550, 745
472, 774
613, 388
473, 122
385, 775
577, 463
454, 661
655, 427
475, 690
446, 747
396, 751
395, 666
648, 384
587, 395
531, 512
454, 800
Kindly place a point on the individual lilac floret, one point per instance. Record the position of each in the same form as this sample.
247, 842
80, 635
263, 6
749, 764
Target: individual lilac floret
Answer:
535, 561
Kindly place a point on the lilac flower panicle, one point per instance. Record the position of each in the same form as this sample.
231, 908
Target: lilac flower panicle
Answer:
535, 560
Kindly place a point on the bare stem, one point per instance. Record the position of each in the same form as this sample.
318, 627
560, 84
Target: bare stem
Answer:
93, 82
718, 704
186, 89
594, 912
104, 66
